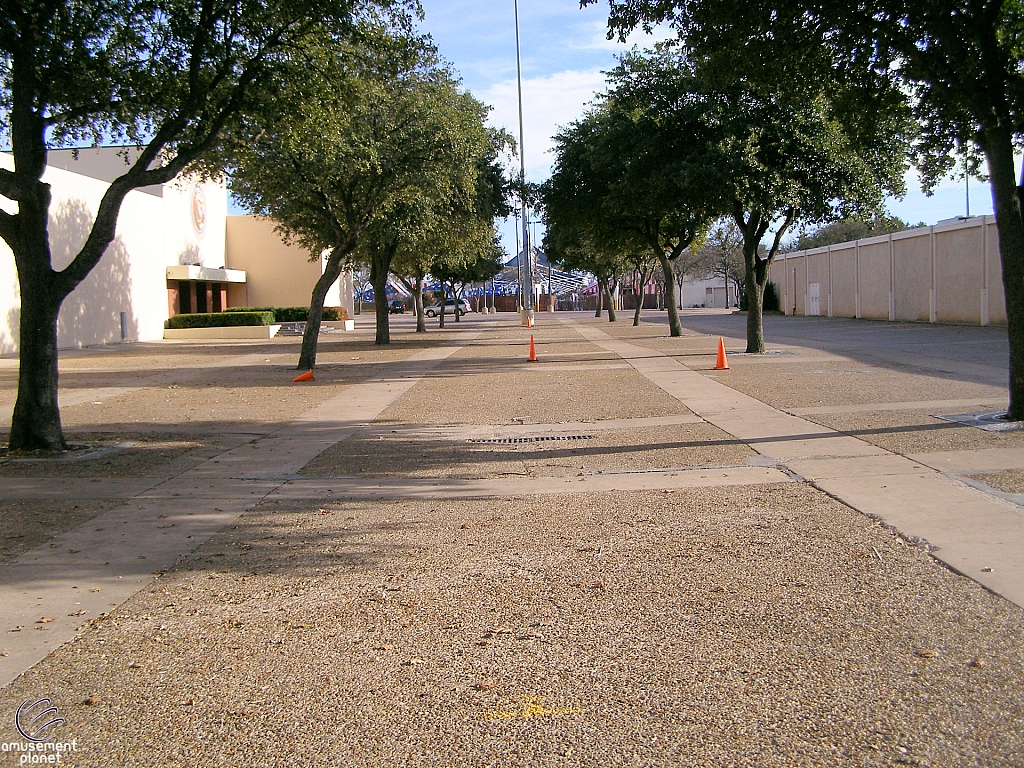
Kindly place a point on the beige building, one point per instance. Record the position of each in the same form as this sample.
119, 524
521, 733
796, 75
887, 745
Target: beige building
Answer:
947, 273
280, 275
170, 254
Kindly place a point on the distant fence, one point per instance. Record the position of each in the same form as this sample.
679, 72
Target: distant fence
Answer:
947, 273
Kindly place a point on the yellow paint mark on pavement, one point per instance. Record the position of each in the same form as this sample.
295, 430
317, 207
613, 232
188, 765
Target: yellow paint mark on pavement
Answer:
531, 707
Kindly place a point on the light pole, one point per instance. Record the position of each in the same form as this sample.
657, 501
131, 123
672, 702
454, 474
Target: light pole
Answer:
526, 288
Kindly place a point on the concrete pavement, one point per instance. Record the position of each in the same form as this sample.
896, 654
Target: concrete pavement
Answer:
607, 556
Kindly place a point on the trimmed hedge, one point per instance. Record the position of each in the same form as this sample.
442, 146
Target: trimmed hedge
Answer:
294, 314
220, 319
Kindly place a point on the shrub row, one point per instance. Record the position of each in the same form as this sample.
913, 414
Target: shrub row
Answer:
220, 319
295, 314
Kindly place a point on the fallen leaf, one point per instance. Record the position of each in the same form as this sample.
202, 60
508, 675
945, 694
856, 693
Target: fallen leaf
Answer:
926, 653
485, 685
4, 652
414, 661
718, 589
90, 701
78, 613
17, 628
45, 620
975, 662
95, 589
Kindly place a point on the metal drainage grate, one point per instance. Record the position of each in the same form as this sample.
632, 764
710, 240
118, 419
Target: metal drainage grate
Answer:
542, 439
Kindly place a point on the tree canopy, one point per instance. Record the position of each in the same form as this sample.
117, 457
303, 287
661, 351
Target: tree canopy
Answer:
673, 146
626, 177
381, 151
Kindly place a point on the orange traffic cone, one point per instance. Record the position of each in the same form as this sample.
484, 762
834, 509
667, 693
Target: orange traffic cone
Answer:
723, 362
307, 376
533, 350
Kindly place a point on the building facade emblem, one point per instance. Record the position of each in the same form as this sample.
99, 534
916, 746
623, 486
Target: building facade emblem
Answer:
198, 211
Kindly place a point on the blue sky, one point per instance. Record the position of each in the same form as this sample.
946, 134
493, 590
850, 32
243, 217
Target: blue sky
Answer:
564, 53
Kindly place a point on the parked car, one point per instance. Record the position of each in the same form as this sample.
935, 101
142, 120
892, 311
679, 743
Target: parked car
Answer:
450, 308
396, 307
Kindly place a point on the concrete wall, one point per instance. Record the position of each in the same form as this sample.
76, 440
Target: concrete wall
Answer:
844, 280
279, 275
153, 232
947, 273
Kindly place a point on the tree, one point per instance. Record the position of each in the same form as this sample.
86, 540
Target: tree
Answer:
567, 243
643, 264
847, 230
362, 161
458, 234
722, 255
622, 176
478, 262
774, 154
165, 76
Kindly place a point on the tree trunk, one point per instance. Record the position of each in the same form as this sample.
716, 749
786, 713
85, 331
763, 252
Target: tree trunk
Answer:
1007, 204
311, 335
380, 266
36, 423
417, 303
611, 302
755, 319
444, 300
674, 328
600, 295
755, 300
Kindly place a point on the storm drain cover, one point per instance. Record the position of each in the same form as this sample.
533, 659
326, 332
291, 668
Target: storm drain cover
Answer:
541, 439
990, 421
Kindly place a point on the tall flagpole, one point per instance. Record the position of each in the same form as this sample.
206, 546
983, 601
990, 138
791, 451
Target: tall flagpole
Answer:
527, 283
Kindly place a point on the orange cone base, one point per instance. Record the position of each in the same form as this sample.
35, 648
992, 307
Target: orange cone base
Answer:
307, 376
722, 363
533, 350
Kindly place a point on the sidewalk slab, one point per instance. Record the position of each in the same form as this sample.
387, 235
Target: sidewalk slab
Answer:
978, 460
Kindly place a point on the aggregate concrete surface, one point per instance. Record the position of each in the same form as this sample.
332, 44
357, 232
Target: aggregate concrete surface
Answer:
353, 577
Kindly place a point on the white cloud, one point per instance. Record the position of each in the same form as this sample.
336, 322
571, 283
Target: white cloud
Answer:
599, 41
548, 102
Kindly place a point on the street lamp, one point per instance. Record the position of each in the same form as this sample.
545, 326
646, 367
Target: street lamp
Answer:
526, 289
